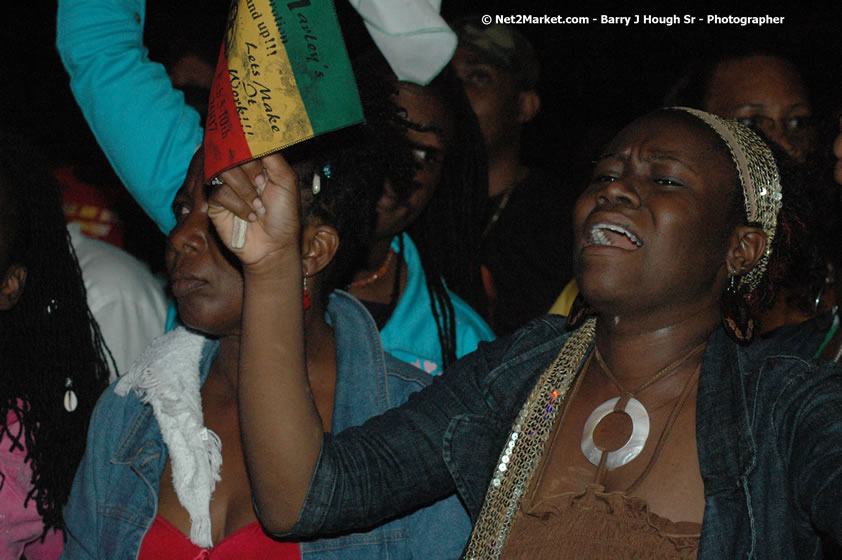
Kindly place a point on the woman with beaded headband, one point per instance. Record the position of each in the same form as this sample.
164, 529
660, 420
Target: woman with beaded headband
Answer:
646, 426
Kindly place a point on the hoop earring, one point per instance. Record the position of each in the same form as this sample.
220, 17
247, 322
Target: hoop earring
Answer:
736, 316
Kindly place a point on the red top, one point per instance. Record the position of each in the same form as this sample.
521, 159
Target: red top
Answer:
165, 542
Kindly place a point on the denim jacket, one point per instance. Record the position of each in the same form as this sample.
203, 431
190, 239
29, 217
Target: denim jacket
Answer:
115, 494
768, 423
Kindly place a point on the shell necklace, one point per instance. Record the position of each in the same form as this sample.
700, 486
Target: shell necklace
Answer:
612, 418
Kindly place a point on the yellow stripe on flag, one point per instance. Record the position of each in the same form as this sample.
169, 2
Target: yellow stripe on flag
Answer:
266, 95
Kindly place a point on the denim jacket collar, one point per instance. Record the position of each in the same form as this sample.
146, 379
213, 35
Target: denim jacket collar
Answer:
726, 448
354, 328
142, 447
726, 451
359, 394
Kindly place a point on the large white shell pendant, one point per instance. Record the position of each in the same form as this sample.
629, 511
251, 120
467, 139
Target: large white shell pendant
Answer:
634, 445
70, 400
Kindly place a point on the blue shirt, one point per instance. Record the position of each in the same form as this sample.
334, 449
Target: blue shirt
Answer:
411, 335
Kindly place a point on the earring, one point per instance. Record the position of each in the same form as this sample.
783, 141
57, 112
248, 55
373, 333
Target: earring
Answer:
736, 316
579, 311
305, 293
70, 400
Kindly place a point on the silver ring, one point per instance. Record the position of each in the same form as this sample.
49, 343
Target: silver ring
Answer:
216, 181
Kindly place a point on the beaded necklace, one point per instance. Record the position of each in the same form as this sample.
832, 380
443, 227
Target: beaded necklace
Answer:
377, 275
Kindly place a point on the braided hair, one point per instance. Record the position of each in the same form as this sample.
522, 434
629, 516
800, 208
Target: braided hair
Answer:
48, 337
452, 219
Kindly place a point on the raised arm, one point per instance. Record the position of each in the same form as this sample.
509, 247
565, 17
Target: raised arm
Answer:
141, 122
281, 428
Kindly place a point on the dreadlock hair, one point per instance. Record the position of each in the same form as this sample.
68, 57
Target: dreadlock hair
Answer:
797, 265
802, 247
452, 218
48, 337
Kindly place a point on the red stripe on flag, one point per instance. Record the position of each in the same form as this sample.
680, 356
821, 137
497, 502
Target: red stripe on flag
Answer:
225, 141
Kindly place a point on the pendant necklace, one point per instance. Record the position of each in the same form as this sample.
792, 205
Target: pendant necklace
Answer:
613, 416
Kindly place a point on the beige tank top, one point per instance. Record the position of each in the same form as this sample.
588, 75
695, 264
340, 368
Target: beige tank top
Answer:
595, 524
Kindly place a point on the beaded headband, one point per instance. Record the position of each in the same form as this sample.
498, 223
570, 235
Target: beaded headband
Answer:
759, 178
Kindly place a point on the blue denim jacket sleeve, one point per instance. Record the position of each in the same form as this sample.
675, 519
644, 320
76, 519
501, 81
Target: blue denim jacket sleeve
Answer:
445, 438
141, 122
404, 445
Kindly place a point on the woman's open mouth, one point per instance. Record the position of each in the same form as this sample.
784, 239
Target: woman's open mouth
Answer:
612, 235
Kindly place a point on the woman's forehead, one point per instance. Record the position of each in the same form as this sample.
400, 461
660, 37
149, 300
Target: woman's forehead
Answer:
679, 135
195, 174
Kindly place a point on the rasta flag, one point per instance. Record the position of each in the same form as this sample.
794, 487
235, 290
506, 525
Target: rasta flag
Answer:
283, 76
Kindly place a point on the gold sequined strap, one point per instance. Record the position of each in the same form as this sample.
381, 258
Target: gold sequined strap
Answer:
525, 446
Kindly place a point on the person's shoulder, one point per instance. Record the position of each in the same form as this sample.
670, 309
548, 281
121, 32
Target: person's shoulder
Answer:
788, 350
542, 199
537, 341
802, 340
503, 371
541, 332
782, 370
542, 184
113, 414
784, 373
101, 260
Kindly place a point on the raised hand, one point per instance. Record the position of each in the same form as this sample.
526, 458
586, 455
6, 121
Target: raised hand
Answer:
264, 192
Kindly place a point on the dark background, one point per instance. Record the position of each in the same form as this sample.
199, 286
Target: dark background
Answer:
592, 75
594, 79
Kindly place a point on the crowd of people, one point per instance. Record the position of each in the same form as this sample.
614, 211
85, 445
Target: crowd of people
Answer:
427, 346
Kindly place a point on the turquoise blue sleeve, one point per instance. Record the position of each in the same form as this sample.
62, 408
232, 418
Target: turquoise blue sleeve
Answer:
141, 122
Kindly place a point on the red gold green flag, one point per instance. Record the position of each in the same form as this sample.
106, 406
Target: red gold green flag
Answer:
283, 76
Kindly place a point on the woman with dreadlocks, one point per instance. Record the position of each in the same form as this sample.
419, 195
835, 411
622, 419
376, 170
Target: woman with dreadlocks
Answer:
427, 232
51, 355
652, 423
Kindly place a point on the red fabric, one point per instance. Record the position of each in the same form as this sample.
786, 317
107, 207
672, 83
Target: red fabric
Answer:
225, 143
165, 542
90, 206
